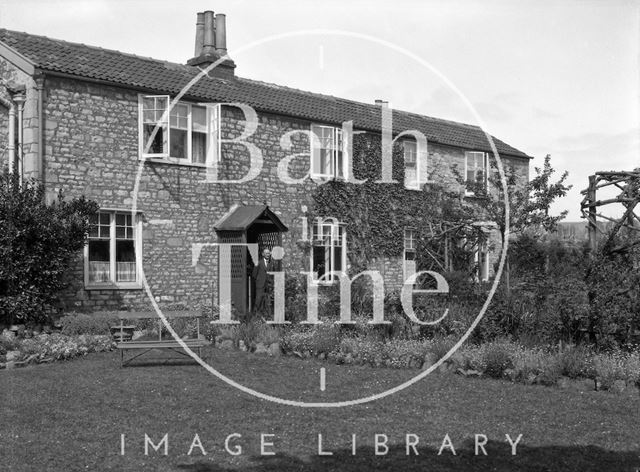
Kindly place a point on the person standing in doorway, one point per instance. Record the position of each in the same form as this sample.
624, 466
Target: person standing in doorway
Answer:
263, 284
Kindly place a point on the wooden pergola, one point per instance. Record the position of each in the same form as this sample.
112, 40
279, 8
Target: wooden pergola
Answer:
628, 183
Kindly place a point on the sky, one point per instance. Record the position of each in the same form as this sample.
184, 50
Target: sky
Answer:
548, 77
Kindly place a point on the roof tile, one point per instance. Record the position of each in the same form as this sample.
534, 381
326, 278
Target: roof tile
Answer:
119, 68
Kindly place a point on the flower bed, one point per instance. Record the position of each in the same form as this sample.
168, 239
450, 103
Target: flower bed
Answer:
50, 347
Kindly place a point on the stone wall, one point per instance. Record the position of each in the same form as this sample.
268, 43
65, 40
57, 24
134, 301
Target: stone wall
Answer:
91, 149
13, 76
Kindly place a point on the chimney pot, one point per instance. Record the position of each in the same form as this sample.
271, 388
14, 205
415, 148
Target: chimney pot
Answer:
382, 103
221, 34
199, 34
209, 45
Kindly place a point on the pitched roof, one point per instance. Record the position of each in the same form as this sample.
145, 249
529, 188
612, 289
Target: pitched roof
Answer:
242, 217
89, 62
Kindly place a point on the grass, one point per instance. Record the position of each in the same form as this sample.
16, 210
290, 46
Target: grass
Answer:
69, 416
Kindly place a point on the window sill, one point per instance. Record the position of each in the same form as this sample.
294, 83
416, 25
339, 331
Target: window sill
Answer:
159, 160
114, 286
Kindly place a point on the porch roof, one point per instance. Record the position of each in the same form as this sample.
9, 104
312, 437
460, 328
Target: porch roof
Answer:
243, 217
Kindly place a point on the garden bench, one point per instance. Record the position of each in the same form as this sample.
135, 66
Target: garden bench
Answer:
123, 333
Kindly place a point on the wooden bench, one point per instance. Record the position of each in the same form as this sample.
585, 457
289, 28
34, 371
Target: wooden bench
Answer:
123, 334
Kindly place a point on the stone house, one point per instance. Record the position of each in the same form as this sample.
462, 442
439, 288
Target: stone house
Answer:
140, 136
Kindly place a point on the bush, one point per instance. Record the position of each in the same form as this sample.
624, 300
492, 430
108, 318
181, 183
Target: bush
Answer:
8, 344
38, 241
441, 346
497, 358
574, 361
528, 364
96, 324
608, 369
268, 334
325, 339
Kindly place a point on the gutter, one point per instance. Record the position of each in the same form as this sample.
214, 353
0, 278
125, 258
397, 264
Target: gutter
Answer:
40, 160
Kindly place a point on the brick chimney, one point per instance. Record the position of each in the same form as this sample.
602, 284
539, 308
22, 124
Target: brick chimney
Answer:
211, 44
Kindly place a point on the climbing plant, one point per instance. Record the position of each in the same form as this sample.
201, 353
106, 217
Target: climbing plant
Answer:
376, 214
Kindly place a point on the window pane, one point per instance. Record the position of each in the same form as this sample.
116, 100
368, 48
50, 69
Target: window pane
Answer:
154, 143
99, 267
471, 175
337, 258
326, 167
410, 152
179, 143
199, 119
318, 260
179, 116
339, 165
125, 261
199, 147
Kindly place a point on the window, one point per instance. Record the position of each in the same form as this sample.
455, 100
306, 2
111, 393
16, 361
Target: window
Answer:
411, 164
475, 170
112, 254
329, 251
326, 153
185, 134
409, 260
482, 261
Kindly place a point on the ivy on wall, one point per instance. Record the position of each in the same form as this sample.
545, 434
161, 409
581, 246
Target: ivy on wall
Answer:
376, 214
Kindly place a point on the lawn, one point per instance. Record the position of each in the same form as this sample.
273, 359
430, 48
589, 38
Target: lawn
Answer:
71, 415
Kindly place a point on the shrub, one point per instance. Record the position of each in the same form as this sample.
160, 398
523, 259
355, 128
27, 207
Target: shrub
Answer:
574, 361
608, 369
38, 241
497, 358
404, 353
296, 340
325, 339
248, 332
228, 333
632, 368
551, 372
95, 324
528, 364
441, 346
8, 344
268, 334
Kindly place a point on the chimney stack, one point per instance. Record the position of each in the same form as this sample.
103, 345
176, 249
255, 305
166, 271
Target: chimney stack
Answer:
211, 44
382, 103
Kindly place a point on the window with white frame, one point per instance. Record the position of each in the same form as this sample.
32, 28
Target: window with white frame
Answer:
411, 172
327, 154
186, 134
475, 170
409, 259
112, 255
329, 250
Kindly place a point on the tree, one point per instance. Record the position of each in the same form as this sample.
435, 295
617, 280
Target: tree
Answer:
38, 241
529, 204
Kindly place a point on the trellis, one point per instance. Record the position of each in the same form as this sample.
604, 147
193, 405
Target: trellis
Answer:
629, 185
